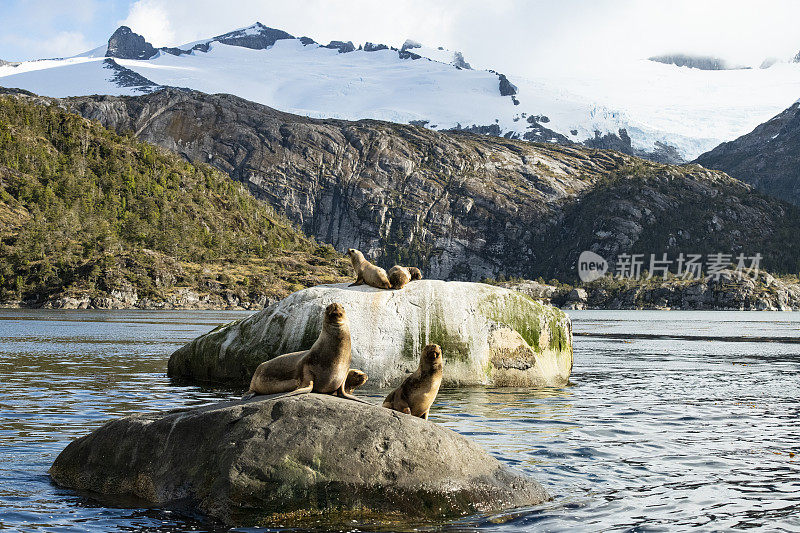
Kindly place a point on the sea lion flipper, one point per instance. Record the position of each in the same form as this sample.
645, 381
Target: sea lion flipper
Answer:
340, 392
248, 395
400, 404
296, 392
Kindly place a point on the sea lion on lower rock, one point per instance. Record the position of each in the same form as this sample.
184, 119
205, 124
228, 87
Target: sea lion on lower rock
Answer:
355, 378
417, 392
323, 368
366, 272
399, 276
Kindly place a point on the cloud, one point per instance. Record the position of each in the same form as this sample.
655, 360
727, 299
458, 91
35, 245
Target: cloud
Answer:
61, 44
518, 36
151, 19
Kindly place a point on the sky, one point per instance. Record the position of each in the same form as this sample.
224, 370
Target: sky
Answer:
519, 36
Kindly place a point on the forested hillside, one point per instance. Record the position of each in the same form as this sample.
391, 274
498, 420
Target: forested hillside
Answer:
106, 219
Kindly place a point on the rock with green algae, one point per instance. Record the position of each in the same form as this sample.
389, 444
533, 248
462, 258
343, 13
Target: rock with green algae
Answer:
284, 461
489, 335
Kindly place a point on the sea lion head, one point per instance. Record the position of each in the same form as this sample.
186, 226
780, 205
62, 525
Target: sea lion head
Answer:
431, 358
355, 378
355, 256
335, 315
415, 273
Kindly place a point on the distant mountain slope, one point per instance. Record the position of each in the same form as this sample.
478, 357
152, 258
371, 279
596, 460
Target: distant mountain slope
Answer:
767, 158
462, 206
694, 61
90, 214
663, 112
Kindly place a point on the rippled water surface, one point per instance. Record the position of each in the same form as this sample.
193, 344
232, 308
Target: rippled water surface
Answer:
673, 420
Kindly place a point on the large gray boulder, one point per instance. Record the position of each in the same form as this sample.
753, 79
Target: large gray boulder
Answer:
263, 462
489, 335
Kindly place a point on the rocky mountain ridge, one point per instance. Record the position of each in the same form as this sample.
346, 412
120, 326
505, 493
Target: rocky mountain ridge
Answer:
768, 158
459, 205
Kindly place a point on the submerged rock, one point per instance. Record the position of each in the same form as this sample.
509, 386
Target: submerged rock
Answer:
489, 335
263, 462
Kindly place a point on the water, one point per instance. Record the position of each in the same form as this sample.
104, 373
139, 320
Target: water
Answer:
673, 420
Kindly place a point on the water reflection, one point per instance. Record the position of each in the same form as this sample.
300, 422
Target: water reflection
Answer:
669, 433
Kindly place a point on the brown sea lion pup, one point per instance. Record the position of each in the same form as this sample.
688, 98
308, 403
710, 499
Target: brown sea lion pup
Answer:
323, 368
355, 378
366, 272
399, 276
417, 392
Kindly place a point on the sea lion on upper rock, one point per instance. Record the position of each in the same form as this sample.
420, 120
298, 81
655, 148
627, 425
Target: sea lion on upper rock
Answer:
366, 272
399, 276
355, 378
417, 392
323, 368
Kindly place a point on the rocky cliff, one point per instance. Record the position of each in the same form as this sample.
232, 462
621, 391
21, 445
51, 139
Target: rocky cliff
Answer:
767, 158
461, 206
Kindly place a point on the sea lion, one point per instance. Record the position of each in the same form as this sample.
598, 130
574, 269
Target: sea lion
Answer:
417, 392
355, 378
399, 276
323, 368
366, 272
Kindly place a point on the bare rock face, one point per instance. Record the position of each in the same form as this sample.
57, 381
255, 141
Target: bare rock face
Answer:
256, 37
125, 44
395, 192
489, 335
315, 457
459, 206
768, 158
342, 46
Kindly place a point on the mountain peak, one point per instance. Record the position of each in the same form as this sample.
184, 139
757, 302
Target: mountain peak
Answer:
256, 37
124, 43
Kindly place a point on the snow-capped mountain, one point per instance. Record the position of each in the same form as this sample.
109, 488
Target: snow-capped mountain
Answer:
661, 111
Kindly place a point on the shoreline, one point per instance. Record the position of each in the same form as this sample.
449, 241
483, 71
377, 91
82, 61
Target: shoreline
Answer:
254, 308
729, 292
